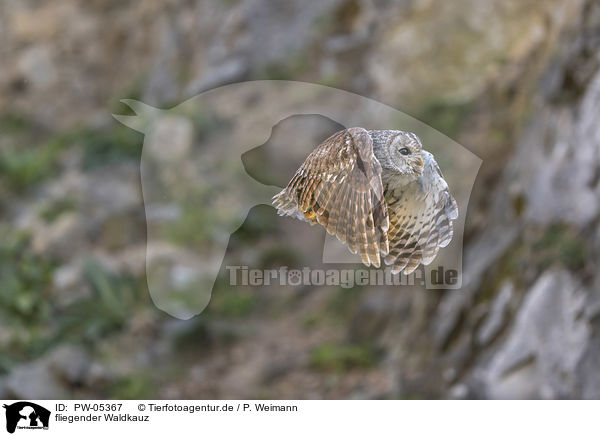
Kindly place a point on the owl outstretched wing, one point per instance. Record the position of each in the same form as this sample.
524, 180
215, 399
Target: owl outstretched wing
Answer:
339, 186
421, 215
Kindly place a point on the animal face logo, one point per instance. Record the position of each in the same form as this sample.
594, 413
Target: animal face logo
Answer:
26, 415
210, 161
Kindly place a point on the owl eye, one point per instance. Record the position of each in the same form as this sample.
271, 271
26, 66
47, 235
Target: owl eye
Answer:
405, 151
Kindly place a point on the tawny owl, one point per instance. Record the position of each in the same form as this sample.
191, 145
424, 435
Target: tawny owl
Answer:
377, 191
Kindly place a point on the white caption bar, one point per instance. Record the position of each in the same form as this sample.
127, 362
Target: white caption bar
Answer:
300, 417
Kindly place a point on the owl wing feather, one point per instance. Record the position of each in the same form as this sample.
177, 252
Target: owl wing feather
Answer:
421, 215
339, 186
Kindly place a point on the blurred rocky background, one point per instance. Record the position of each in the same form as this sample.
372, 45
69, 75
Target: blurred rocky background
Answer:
515, 81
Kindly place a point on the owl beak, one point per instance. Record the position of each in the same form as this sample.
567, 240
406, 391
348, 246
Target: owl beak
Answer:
420, 162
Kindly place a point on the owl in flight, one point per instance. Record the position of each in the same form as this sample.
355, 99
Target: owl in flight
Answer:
378, 192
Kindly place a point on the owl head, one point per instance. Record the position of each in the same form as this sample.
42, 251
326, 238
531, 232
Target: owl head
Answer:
399, 151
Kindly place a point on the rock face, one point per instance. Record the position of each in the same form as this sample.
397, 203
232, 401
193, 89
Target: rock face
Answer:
53, 376
545, 345
556, 171
537, 337
515, 81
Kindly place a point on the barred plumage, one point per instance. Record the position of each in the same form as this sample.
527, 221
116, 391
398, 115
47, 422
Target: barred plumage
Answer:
377, 191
